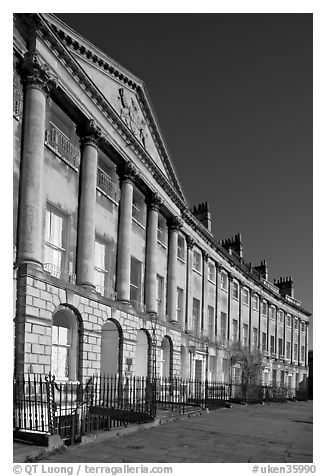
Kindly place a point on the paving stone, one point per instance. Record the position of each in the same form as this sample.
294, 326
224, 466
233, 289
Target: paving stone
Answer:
255, 434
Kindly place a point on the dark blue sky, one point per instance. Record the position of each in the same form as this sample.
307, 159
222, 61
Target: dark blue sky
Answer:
233, 96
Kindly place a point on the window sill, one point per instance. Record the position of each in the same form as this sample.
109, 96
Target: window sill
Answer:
138, 223
211, 281
181, 260
107, 196
224, 289
162, 245
198, 272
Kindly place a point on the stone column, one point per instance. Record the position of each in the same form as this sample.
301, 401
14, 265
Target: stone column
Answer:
90, 135
292, 339
306, 345
230, 280
153, 205
174, 225
259, 322
250, 318
240, 311
38, 83
204, 323
267, 327
127, 173
276, 333
299, 342
284, 334
190, 244
217, 294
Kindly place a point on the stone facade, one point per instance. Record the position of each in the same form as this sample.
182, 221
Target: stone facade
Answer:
113, 272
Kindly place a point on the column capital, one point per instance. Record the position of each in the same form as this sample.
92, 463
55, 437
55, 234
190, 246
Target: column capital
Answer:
154, 201
174, 223
230, 276
127, 172
218, 266
190, 242
205, 255
37, 73
89, 132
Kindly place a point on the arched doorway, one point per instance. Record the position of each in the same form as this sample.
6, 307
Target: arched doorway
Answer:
65, 345
166, 357
111, 348
142, 352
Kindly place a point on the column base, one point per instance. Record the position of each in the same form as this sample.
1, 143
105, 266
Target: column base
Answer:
30, 262
87, 286
124, 301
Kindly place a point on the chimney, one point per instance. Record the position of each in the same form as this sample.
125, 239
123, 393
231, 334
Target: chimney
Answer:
203, 214
285, 285
262, 270
233, 245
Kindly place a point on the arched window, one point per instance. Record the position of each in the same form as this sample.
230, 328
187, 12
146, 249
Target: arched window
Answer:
64, 345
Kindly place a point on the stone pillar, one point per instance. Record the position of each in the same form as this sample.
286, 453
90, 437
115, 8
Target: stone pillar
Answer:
284, 334
217, 295
190, 244
90, 135
127, 173
259, 322
153, 205
174, 225
38, 83
250, 318
299, 342
240, 311
204, 323
230, 280
292, 335
267, 327
276, 333
306, 345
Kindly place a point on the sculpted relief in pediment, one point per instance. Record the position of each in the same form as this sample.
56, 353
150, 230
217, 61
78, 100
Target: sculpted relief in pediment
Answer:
130, 113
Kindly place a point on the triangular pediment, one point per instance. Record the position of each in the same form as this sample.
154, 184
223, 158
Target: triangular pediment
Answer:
125, 102
125, 94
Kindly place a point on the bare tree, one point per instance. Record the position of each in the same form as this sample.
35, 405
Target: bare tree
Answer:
250, 361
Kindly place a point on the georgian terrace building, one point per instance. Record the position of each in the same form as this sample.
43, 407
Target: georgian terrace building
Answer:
113, 272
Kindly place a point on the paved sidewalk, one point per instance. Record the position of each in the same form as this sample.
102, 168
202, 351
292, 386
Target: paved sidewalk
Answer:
275, 433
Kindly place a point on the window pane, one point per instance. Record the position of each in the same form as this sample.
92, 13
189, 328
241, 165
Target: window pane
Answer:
57, 258
55, 334
63, 336
62, 363
47, 225
54, 361
100, 255
181, 247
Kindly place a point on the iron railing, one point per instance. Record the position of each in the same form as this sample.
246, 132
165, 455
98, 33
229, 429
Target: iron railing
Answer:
105, 183
62, 145
72, 409
108, 293
60, 273
42, 405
